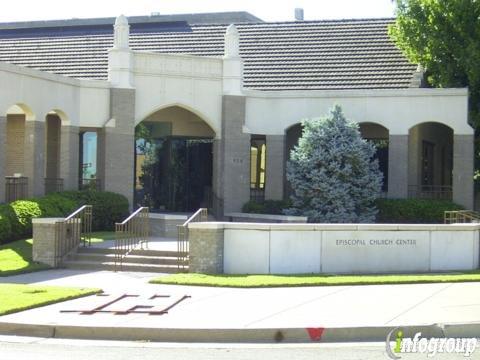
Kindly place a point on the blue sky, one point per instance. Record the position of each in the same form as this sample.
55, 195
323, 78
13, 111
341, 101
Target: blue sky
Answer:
269, 10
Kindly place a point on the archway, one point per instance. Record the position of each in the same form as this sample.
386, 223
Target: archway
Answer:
53, 124
378, 135
430, 160
15, 171
173, 161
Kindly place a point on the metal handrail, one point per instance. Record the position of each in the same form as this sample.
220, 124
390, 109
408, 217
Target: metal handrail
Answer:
132, 231
200, 215
71, 231
461, 216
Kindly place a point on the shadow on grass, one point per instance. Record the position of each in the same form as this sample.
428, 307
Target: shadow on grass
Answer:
20, 250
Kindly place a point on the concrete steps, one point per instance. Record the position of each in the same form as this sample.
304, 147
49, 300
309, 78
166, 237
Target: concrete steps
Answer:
138, 260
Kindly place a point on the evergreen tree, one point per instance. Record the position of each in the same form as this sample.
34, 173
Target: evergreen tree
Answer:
333, 173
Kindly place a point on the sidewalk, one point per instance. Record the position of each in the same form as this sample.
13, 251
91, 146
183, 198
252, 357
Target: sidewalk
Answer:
337, 313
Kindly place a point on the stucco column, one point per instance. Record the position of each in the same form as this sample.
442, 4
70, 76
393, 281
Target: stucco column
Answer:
3, 156
398, 166
69, 157
463, 162
235, 146
119, 136
35, 157
275, 167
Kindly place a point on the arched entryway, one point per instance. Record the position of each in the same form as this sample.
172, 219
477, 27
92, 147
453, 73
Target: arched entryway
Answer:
292, 135
53, 125
430, 159
378, 135
173, 161
18, 176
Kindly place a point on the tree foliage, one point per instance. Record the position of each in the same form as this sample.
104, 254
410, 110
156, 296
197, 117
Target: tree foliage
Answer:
333, 173
444, 37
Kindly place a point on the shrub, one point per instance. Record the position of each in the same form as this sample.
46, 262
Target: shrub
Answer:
16, 218
273, 207
55, 205
5, 223
413, 210
108, 207
333, 173
25, 211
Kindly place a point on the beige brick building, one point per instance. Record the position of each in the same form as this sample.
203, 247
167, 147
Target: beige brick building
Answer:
178, 112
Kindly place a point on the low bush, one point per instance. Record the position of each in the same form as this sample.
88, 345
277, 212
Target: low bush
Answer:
16, 217
273, 207
108, 207
413, 210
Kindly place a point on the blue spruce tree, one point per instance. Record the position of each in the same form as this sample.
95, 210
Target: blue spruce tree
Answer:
333, 173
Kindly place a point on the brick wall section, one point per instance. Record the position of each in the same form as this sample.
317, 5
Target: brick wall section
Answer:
53, 147
398, 166
69, 156
463, 160
35, 157
43, 250
3, 156
118, 144
235, 147
275, 167
206, 251
15, 144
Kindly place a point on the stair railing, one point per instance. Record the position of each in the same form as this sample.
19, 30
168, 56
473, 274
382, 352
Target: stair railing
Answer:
200, 215
130, 233
461, 216
71, 231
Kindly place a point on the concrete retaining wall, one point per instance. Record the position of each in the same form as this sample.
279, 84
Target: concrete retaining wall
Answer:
265, 218
334, 248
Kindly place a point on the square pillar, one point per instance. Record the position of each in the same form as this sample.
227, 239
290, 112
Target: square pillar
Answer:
34, 160
217, 181
275, 167
398, 166
463, 163
117, 144
3, 156
235, 146
69, 156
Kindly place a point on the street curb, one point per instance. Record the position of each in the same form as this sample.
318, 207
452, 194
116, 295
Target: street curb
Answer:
268, 335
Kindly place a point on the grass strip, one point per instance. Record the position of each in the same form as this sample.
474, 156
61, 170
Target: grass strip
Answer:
16, 258
19, 297
261, 281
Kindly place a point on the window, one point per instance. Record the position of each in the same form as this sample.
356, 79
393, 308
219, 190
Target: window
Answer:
88, 159
258, 161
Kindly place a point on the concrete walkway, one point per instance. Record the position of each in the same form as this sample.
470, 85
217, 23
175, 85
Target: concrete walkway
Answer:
336, 313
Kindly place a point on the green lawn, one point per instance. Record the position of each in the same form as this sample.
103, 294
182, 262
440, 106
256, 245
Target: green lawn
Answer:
18, 297
16, 258
101, 236
255, 281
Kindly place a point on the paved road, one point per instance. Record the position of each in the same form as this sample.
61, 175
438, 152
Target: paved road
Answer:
43, 349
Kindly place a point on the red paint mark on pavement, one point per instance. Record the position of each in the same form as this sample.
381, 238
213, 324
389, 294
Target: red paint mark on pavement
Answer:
315, 333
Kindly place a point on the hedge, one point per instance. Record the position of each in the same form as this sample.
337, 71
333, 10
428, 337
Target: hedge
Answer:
413, 211
16, 217
396, 211
108, 207
274, 207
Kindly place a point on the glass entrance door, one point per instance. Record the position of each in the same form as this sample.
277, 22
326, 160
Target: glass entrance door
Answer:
173, 173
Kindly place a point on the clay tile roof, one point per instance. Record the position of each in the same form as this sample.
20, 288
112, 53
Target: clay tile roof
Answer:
306, 55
